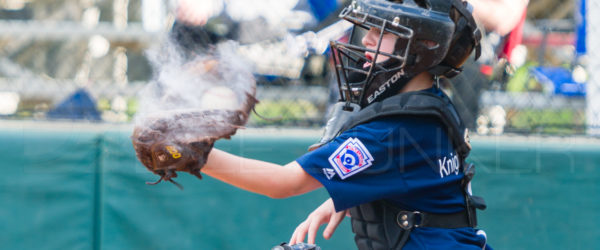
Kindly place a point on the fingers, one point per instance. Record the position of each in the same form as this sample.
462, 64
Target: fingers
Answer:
293, 238
334, 221
299, 233
313, 227
323, 214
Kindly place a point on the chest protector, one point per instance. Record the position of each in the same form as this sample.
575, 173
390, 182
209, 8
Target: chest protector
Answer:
382, 225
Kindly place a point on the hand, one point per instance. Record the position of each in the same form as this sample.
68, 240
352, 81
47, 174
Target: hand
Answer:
323, 214
181, 141
194, 12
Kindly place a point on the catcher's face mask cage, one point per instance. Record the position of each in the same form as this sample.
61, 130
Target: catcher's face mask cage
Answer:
349, 58
425, 32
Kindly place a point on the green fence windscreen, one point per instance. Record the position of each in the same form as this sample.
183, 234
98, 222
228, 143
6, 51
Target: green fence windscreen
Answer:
47, 190
85, 190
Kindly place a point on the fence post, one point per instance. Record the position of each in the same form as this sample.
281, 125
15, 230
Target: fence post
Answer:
153, 15
593, 67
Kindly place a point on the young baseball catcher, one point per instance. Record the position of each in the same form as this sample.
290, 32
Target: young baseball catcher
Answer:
393, 153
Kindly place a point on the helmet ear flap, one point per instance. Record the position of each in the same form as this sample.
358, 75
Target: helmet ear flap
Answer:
465, 38
461, 46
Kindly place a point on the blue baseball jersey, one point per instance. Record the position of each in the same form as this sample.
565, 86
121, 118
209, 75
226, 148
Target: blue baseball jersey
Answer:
408, 161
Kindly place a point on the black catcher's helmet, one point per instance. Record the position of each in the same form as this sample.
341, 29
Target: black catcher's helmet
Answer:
433, 35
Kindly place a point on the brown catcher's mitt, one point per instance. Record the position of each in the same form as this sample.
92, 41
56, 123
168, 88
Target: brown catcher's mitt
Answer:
181, 141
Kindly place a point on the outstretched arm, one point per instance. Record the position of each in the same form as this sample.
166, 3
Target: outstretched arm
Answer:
260, 177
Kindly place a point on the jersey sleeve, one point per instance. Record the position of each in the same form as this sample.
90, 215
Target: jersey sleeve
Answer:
356, 167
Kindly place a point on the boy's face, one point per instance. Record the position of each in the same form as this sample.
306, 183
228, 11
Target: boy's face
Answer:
388, 42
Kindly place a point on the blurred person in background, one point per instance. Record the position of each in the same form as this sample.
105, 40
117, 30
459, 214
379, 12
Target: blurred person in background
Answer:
199, 25
503, 22
500, 16
269, 28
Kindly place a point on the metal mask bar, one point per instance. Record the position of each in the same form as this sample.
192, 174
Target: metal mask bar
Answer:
343, 53
374, 62
345, 70
339, 66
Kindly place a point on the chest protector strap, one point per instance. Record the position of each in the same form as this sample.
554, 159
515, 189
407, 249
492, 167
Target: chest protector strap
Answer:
382, 225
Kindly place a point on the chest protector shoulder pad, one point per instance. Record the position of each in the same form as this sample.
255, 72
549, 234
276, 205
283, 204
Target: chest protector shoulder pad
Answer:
418, 103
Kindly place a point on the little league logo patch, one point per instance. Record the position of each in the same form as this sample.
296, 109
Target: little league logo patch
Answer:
350, 158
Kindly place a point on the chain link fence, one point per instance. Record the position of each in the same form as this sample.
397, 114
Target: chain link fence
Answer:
593, 67
550, 92
51, 55
43, 63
